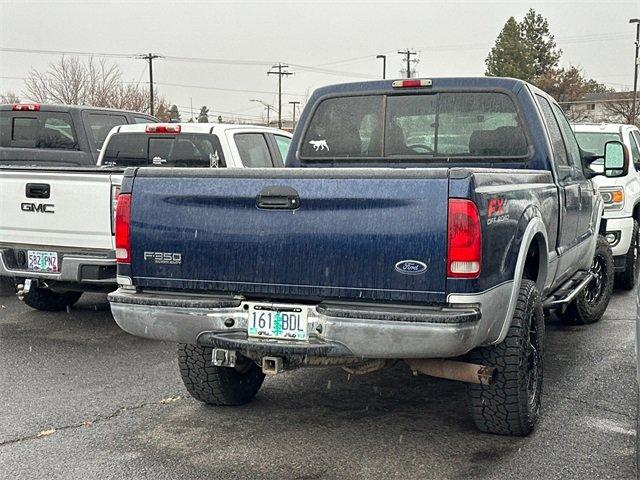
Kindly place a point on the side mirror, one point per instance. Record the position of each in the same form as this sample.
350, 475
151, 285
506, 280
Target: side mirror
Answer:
616, 160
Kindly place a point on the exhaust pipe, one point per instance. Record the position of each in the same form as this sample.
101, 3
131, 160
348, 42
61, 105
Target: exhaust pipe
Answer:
453, 370
271, 365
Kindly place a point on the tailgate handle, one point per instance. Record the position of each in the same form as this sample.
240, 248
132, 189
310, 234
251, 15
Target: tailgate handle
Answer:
278, 198
38, 190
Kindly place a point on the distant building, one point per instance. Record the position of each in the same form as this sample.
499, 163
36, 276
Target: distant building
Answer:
611, 107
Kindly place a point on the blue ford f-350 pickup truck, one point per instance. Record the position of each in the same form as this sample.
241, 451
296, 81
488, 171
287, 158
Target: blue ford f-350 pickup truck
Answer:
431, 221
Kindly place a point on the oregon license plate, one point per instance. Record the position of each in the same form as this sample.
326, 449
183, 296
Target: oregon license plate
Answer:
277, 321
42, 261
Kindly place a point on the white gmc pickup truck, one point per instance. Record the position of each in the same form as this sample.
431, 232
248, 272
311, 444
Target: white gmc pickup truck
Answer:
621, 196
56, 223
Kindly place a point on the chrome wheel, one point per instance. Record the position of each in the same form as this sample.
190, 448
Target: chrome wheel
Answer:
595, 288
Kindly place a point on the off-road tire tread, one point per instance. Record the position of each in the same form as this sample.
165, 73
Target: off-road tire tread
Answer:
503, 407
49, 301
579, 312
220, 386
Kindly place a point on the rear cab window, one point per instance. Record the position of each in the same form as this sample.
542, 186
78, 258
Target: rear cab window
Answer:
430, 128
100, 124
133, 149
39, 129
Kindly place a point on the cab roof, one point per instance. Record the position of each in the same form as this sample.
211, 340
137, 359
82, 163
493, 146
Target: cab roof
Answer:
188, 127
437, 83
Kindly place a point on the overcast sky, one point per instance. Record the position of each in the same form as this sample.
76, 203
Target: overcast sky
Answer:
452, 38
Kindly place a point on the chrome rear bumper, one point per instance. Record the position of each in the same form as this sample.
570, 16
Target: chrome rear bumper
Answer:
356, 330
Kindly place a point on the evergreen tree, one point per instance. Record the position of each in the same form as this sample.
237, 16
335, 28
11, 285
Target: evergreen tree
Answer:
203, 117
174, 114
534, 29
511, 56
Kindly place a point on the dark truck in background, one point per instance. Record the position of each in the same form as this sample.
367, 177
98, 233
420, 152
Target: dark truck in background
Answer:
454, 212
32, 134
39, 139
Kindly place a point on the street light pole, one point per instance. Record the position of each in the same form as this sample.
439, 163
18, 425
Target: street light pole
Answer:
635, 70
384, 65
267, 106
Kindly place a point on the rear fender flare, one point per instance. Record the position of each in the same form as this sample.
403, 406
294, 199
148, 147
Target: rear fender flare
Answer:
535, 229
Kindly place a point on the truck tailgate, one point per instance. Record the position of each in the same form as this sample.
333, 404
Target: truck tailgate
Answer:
75, 212
347, 240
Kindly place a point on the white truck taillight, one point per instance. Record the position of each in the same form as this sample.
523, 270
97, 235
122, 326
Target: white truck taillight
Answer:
115, 191
123, 228
464, 251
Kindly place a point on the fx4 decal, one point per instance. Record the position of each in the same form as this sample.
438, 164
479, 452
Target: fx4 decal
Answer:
497, 209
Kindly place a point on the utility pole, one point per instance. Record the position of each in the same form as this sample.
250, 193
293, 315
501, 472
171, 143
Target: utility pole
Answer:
150, 57
294, 113
407, 57
635, 71
281, 73
384, 65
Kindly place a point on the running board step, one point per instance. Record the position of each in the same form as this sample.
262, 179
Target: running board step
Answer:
568, 291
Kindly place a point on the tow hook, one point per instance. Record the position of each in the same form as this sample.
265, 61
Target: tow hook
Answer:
453, 370
23, 288
272, 365
223, 358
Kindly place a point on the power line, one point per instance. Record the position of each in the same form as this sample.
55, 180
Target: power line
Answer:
235, 90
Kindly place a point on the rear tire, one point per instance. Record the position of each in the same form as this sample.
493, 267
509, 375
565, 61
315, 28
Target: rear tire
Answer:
218, 386
592, 301
626, 280
511, 404
49, 301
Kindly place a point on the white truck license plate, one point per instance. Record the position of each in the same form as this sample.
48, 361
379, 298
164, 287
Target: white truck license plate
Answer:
277, 321
46, 262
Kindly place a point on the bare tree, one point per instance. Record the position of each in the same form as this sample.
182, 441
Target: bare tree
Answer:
619, 104
9, 97
96, 83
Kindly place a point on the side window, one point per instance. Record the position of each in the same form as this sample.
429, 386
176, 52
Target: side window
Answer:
100, 124
635, 147
137, 119
254, 151
283, 145
572, 144
559, 151
42, 130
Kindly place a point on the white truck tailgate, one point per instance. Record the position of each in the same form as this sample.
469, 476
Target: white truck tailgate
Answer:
75, 212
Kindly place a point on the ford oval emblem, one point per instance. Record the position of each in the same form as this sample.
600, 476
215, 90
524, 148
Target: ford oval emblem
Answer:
411, 267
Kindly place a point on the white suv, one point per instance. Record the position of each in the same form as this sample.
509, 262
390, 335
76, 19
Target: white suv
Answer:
621, 195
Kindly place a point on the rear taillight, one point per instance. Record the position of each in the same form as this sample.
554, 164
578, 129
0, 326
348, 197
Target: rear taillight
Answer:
115, 191
26, 107
123, 228
163, 128
464, 255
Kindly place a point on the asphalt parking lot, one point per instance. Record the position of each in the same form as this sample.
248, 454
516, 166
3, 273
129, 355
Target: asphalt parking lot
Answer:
82, 399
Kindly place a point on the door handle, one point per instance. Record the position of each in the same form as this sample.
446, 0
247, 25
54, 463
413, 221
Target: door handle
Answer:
278, 198
38, 190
